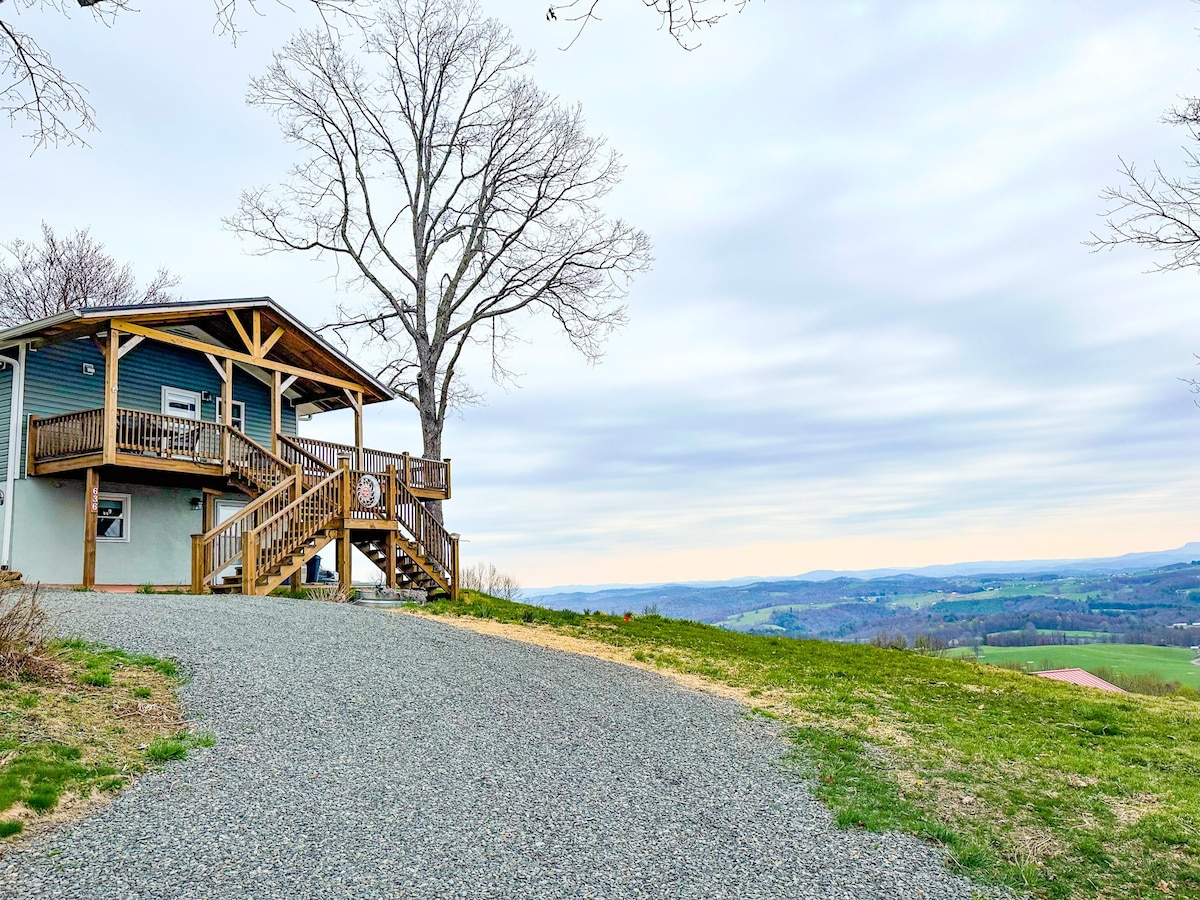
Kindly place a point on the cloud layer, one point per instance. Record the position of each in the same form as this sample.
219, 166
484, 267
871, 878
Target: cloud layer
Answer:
872, 335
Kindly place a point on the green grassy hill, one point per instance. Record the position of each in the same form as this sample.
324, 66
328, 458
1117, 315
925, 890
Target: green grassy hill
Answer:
1169, 663
1056, 790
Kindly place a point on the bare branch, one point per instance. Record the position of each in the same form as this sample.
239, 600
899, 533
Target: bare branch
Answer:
34, 91
453, 190
679, 18
71, 272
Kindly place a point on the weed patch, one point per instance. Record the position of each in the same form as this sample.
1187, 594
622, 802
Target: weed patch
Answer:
79, 727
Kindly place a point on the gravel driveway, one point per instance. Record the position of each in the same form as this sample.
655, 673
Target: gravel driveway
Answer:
367, 754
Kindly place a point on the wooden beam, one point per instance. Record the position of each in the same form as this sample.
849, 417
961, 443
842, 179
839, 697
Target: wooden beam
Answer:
91, 509
227, 394
111, 370
178, 340
256, 317
358, 426
287, 383
276, 401
129, 345
212, 361
237, 324
266, 346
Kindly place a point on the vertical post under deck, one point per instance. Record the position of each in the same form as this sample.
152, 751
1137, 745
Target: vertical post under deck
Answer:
111, 364
91, 507
343, 561
391, 539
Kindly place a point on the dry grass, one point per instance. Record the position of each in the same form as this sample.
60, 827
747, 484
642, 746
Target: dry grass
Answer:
24, 635
327, 593
76, 720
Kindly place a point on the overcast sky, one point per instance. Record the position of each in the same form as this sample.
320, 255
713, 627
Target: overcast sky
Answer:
871, 336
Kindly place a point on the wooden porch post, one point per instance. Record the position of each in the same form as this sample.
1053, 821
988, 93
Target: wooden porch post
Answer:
276, 400
297, 578
358, 430
111, 364
343, 538
226, 414
391, 544
343, 561
91, 507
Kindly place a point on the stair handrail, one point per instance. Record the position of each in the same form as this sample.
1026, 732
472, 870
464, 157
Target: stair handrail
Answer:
272, 464
221, 546
281, 535
433, 540
314, 467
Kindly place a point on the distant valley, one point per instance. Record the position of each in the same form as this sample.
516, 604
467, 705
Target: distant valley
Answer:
1083, 601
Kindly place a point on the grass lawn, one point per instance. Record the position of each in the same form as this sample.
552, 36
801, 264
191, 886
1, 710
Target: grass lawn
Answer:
85, 730
1061, 791
1169, 663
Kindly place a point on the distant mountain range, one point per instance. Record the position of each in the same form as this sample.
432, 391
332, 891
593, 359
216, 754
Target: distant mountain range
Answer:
1105, 565
1151, 598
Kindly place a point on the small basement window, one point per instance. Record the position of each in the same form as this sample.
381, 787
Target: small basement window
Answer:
112, 517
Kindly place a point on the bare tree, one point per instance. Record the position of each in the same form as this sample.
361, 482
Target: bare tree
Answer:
487, 579
1159, 211
58, 274
34, 90
456, 194
680, 18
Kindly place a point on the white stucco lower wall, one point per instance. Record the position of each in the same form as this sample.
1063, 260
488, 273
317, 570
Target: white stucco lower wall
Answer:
48, 533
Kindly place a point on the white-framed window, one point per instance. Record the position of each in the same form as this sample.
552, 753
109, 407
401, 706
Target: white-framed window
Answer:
180, 402
238, 416
112, 517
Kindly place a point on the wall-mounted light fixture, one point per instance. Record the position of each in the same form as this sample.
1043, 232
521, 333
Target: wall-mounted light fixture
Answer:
197, 502
206, 396
89, 369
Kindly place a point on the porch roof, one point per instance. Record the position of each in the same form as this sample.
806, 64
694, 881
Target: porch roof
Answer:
213, 322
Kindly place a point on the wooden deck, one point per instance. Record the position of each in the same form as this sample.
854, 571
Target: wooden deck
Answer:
77, 441
306, 493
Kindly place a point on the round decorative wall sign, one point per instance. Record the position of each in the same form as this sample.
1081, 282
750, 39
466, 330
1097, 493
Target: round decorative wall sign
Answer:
368, 491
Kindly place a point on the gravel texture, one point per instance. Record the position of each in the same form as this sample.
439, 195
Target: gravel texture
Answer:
364, 754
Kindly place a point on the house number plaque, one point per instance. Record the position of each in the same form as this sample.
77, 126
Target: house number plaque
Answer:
95, 499
368, 491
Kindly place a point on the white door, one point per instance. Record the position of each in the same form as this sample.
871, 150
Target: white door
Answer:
179, 402
226, 510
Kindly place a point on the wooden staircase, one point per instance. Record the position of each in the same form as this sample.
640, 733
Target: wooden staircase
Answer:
411, 567
301, 504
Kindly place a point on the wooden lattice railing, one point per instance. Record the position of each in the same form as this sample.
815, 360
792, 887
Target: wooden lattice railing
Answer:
267, 545
71, 434
170, 437
417, 472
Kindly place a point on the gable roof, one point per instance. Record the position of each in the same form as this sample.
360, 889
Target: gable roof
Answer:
212, 322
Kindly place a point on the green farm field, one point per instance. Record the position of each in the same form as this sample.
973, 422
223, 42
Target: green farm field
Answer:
1169, 663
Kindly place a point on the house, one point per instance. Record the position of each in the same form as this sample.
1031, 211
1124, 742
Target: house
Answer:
158, 444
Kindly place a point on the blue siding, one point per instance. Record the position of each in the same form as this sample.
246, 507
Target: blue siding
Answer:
6, 378
55, 383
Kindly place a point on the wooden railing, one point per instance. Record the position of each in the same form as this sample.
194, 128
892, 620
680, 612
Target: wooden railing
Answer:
291, 452
254, 463
221, 547
72, 434
416, 472
433, 541
266, 546
170, 437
